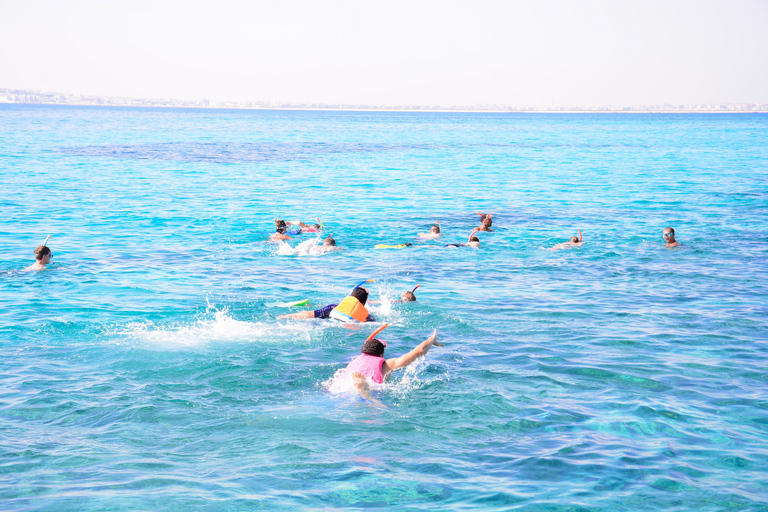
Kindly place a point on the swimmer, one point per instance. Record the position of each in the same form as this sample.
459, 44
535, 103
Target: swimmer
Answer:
485, 221
306, 228
43, 257
352, 308
472, 242
669, 237
406, 296
575, 241
370, 364
434, 232
280, 228
329, 244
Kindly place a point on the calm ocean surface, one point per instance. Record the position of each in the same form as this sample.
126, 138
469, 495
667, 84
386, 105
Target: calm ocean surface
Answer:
146, 369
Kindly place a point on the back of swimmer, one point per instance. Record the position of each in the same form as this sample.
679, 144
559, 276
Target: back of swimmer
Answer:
352, 308
356, 307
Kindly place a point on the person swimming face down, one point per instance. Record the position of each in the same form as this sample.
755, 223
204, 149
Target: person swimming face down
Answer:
408, 296
329, 244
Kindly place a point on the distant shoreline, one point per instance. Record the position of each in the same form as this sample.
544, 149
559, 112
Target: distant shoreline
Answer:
34, 97
393, 110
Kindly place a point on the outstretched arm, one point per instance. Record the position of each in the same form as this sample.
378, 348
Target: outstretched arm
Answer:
405, 360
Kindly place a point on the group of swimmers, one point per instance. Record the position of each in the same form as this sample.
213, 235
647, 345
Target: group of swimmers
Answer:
370, 365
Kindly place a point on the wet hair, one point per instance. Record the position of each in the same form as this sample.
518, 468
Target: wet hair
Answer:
574, 240
373, 347
474, 239
487, 222
329, 242
280, 226
408, 296
672, 230
41, 251
435, 228
360, 294
317, 226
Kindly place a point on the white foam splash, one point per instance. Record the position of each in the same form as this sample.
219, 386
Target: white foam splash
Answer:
217, 326
305, 248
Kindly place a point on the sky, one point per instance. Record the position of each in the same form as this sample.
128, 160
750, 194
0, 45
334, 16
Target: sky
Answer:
542, 53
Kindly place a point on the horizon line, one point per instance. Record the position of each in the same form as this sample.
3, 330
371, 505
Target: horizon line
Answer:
37, 97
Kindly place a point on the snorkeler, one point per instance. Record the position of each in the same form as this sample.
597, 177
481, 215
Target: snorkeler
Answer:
669, 237
329, 244
434, 232
485, 221
575, 241
406, 296
43, 256
472, 242
351, 309
306, 228
280, 231
370, 364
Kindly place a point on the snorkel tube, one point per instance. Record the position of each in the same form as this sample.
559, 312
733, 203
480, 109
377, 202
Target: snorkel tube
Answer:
377, 331
414, 288
321, 222
46, 240
361, 283
580, 237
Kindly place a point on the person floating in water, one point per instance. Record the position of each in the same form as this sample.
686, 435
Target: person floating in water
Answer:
281, 227
575, 241
371, 364
43, 257
485, 222
351, 309
434, 232
306, 228
329, 244
669, 237
406, 296
472, 242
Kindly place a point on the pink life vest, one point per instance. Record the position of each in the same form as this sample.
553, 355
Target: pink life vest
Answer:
370, 366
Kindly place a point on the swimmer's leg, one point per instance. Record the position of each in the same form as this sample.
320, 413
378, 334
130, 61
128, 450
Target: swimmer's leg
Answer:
361, 384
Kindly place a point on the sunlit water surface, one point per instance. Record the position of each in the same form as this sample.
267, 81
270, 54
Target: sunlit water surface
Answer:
147, 370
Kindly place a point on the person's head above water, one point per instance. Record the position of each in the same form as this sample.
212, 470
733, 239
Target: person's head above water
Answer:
408, 296
43, 252
374, 347
329, 242
574, 240
280, 226
669, 236
360, 294
435, 229
474, 239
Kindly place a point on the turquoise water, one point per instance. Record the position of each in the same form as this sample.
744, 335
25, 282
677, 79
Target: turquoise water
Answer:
146, 370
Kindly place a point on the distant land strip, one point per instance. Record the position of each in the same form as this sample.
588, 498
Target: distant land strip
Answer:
50, 98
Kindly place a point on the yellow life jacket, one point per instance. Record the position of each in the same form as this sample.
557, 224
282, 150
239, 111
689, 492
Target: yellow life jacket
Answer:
350, 310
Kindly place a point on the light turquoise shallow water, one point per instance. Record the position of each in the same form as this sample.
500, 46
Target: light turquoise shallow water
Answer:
147, 371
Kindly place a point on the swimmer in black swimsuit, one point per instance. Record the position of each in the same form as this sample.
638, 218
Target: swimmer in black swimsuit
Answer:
472, 242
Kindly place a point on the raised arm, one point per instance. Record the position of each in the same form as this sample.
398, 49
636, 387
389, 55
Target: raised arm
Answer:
405, 360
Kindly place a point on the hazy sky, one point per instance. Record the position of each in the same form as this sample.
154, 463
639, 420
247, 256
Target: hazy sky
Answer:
442, 52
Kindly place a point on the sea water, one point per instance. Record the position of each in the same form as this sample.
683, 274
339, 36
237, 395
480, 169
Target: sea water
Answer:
146, 368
